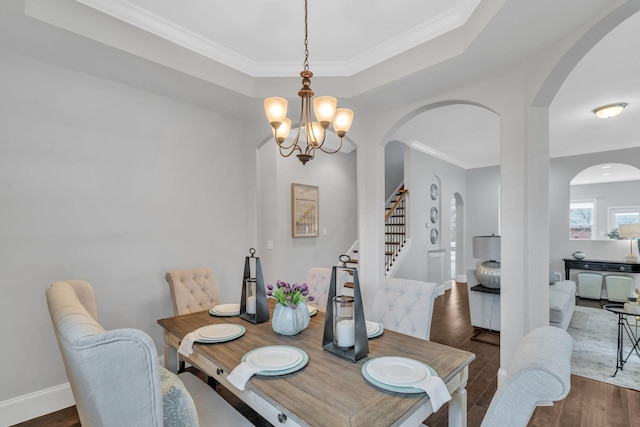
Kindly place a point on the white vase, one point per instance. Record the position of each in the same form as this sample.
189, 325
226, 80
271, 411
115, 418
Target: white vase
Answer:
290, 321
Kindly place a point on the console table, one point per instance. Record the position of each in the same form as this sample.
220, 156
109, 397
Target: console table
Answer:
599, 265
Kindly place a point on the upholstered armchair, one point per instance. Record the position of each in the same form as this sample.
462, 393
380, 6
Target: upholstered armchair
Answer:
405, 306
484, 308
539, 375
115, 376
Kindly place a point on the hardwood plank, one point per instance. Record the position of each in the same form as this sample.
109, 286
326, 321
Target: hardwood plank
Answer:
616, 404
594, 410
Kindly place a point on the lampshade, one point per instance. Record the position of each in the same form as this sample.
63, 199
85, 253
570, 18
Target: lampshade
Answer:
276, 110
486, 247
325, 109
629, 231
342, 122
283, 131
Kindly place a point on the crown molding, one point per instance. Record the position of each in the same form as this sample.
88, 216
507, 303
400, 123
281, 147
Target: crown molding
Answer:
141, 18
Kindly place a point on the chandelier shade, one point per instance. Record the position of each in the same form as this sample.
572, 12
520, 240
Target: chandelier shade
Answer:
310, 133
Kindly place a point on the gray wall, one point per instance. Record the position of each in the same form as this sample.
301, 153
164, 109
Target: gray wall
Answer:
335, 176
103, 182
482, 207
393, 167
421, 170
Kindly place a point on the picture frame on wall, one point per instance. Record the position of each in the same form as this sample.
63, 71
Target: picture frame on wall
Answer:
304, 210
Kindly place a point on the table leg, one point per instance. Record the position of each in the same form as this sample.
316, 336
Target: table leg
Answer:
620, 358
170, 354
458, 402
634, 340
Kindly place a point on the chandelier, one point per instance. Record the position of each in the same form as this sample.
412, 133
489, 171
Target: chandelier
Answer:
325, 111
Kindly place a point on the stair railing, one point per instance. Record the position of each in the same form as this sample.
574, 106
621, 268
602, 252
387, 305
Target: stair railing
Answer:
395, 227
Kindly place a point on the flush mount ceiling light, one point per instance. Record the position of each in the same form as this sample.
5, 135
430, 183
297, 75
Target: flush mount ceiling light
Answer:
324, 108
608, 111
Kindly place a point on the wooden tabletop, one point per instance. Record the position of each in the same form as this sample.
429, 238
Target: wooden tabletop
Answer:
330, 390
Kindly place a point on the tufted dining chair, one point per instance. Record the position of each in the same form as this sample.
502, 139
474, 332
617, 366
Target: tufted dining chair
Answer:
405, 306
193, 290
318, 280
115, 376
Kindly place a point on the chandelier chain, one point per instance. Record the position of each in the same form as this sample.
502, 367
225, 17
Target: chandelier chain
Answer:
306, 38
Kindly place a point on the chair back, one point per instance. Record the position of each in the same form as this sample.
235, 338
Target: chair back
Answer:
619, 287
405, 306
114, 375
540, 374
318, 280
193, 290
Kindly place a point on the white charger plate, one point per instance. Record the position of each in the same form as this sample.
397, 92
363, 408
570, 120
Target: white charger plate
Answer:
274, 358
372, 327
398, 371
225, 310
223, 331
277, 372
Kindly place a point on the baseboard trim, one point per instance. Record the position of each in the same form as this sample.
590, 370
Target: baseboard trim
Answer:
42, 402
34, 405
502, 375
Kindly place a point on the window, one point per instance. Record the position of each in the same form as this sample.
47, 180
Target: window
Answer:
623, 215
582, 219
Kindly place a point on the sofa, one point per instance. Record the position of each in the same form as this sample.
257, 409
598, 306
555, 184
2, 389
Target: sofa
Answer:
484, 307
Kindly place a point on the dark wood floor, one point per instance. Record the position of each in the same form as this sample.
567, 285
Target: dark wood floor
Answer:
589, 404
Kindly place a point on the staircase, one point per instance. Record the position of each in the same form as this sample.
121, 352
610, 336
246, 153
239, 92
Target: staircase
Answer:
395, 228
395, 231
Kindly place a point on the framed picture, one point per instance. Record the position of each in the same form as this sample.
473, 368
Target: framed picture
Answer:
304, 210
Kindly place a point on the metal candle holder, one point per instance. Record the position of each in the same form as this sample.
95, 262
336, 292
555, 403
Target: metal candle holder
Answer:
261, 307
361, 342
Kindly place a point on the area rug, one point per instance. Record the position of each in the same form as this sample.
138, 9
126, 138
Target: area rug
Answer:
595, 335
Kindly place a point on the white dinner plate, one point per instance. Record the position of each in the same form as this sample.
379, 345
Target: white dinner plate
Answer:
218, 332
377, 333
227, 308
372, 327
397, 371
274, 358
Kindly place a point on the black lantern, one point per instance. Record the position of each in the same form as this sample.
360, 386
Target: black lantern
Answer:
345, 329
253, 303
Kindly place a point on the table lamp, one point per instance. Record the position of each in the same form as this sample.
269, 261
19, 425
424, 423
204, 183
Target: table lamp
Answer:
630, 232
487, 248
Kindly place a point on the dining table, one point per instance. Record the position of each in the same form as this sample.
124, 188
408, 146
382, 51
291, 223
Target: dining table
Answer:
329, 390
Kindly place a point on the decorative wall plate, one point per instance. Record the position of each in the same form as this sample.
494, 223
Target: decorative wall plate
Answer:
434, 235
434, 215
434, 191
